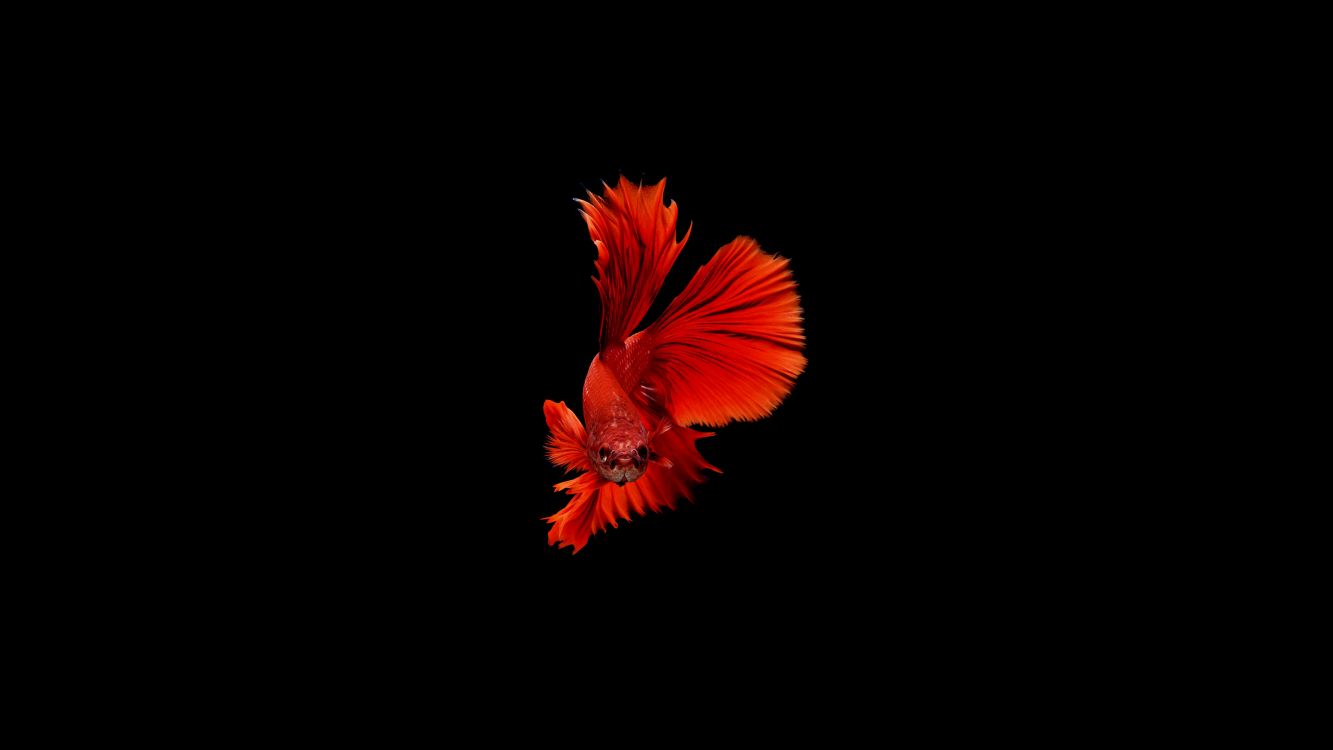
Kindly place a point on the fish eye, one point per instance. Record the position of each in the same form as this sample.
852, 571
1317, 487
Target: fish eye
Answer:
643, 452
602, 453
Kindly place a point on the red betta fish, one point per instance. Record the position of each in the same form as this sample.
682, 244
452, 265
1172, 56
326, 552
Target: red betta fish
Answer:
728, 348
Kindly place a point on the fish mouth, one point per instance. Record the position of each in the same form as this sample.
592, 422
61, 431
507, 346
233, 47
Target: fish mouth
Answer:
621, 475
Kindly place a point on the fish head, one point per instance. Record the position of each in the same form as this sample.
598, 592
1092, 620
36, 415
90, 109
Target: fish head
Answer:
621, 458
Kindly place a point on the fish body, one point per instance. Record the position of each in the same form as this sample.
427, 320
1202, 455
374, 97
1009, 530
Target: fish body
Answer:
727, 348
618, 435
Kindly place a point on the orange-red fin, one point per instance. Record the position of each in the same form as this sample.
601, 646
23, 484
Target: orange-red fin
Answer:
567, 445
635, 235
598, 503
729, 347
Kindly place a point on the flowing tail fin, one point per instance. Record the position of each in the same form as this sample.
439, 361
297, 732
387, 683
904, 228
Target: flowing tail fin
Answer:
635, 235
597, 503
729, 347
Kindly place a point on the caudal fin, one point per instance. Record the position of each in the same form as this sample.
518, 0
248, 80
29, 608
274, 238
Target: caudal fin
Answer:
729, 347
597, 503
635, 235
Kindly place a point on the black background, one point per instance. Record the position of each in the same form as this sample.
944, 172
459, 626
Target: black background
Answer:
428, 291
372, 280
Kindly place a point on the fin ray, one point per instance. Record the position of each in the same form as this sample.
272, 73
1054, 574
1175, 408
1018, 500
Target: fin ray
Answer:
635, 235
567, 444
729, 347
